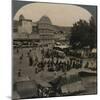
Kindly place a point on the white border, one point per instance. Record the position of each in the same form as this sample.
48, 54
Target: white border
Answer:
5, 48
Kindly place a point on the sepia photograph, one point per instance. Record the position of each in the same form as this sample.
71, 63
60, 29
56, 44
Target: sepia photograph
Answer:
54, 50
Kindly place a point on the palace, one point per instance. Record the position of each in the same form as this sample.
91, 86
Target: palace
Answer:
42, 31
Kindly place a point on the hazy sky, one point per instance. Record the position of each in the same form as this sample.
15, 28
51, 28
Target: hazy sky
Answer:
60, 14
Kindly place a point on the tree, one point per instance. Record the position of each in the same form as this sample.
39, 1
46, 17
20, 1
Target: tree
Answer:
83, 34
93, 33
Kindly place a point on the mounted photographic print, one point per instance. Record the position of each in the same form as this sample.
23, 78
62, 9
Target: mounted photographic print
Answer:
54, 49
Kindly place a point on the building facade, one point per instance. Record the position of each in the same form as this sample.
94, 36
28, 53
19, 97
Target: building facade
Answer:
42, 31
46, 31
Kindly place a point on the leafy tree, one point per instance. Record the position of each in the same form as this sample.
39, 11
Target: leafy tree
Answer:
93, 33
83, 34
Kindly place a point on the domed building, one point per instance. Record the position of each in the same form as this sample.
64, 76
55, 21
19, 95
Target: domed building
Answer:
45, 29
45, 25
21, 17
45, 19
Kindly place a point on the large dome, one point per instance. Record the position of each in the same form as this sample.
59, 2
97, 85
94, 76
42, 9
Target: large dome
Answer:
45, 20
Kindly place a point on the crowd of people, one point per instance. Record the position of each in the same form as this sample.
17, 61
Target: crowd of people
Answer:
52, 63
58, 65
49, 91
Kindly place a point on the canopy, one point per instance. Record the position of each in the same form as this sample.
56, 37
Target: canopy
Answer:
94, 50
26, 89
43, 83
63, 46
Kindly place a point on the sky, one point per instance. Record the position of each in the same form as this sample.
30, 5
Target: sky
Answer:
59, 14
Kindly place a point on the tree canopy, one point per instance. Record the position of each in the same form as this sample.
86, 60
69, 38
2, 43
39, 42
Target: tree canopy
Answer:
83, 34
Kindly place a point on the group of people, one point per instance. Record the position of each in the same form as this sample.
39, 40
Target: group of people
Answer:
58, 65
52, 63
49, 91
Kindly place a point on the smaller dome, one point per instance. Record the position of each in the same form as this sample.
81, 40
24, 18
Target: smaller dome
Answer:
45, 20
21, 17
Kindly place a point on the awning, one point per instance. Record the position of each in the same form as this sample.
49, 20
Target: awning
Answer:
26, 89
43, 83
72, 88
94, 50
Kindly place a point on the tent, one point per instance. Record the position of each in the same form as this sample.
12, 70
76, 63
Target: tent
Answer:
26, 89
94, 50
